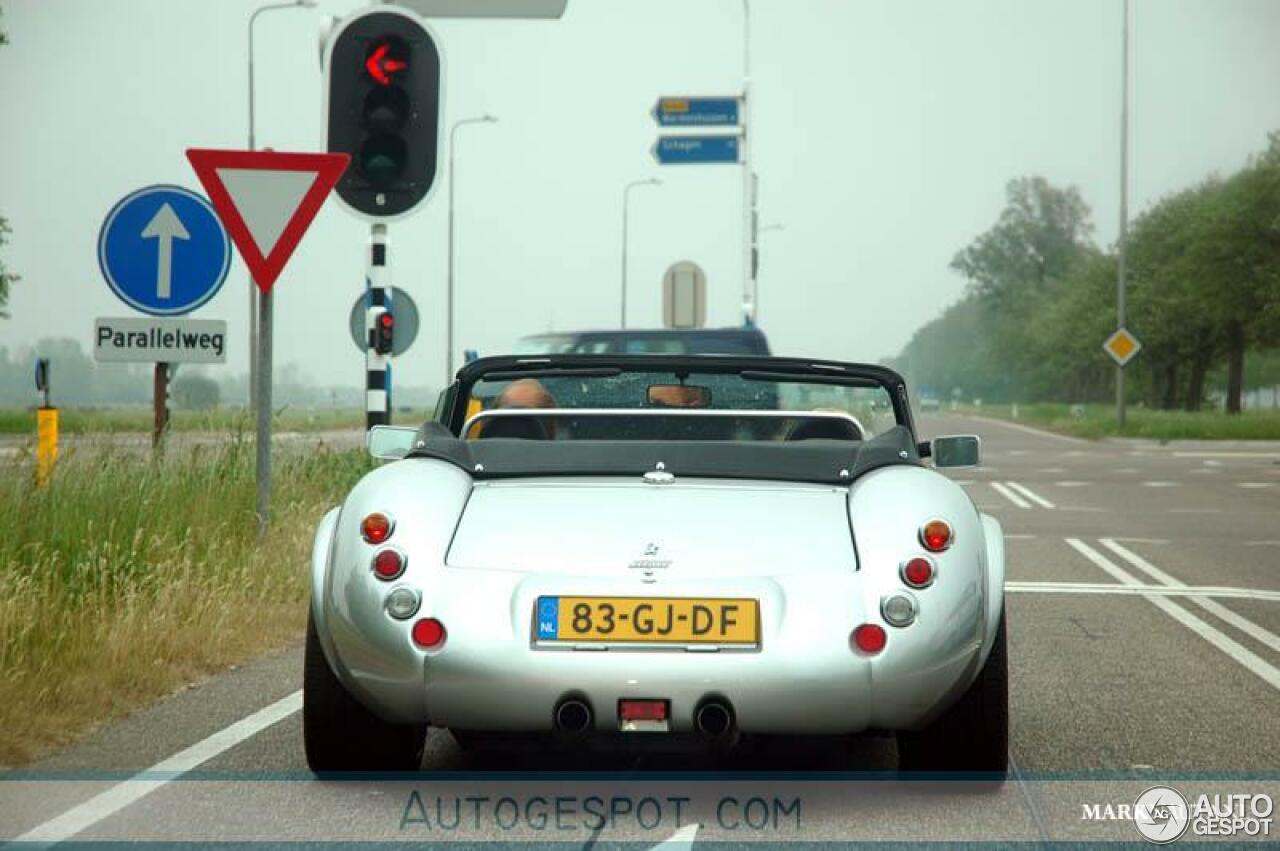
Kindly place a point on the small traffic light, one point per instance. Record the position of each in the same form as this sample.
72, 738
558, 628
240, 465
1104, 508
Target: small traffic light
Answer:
384, 333
383, 109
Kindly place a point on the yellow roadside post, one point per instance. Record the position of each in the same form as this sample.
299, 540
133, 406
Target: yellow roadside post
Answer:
46, 427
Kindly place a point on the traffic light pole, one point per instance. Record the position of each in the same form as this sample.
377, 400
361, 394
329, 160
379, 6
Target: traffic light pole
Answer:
377, 375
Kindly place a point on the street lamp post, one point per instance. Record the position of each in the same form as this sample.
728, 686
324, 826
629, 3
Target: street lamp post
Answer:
253, 296
748, 174
1122, 247
626, 200
448, 336
755, 277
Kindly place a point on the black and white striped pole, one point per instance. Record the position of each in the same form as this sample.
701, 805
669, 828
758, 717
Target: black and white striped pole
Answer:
379, 323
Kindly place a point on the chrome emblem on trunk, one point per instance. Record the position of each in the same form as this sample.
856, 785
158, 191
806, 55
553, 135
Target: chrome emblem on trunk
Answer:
649, 562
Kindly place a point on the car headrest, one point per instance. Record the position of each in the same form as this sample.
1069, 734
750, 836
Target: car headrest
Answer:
824, 428
520, 428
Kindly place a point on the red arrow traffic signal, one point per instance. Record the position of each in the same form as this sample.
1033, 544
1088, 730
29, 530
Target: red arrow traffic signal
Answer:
381, 68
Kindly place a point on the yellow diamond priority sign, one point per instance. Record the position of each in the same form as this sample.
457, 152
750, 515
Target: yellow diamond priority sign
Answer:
1122, 346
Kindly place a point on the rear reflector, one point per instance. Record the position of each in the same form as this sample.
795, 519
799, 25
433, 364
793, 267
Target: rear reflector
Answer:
428, 633
869, 638
642, 710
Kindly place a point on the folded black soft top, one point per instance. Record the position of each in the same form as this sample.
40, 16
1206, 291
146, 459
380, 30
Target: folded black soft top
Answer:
821, 461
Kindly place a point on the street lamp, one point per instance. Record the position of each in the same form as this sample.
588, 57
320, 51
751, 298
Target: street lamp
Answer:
755, 277
253, 301
626, 200
448, 336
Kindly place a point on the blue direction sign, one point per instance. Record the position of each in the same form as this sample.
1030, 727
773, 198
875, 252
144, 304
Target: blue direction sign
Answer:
163, 251
687, 150
696, 112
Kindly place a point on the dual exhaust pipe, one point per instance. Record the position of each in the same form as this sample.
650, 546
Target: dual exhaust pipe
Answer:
712, 719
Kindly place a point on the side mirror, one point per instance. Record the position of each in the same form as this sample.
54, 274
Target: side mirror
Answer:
390, 443
957, 450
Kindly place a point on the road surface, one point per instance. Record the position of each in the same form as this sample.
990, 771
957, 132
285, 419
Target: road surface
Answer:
1112, 692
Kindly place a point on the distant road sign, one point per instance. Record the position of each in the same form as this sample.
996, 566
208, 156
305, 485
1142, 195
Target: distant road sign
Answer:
689, 150
267, 200
1122, 346
133, 340
406, 317
163, 251
696, 112
684, 296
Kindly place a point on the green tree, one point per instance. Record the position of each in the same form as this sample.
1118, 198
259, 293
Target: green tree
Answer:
196, 392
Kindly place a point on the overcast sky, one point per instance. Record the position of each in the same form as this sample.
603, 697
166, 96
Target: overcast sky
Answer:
885, 131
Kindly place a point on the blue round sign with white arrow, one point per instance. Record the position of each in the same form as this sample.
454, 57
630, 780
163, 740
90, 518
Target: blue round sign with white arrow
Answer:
163, 250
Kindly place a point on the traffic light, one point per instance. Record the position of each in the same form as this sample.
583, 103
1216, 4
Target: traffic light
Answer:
383, 109
384, 333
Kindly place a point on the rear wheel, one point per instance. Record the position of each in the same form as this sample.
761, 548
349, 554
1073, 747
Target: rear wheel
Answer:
340, 734
973, 735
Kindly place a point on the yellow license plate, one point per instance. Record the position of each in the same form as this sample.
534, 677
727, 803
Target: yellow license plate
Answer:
643, 620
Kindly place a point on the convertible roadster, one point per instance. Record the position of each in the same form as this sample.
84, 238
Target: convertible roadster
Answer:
655, 550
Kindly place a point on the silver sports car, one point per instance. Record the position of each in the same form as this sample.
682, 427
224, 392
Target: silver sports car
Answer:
654, 550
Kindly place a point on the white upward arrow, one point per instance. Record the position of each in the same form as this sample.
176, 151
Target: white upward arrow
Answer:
166, 227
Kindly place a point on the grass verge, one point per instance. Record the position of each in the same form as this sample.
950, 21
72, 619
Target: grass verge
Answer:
127, 578
1098, 421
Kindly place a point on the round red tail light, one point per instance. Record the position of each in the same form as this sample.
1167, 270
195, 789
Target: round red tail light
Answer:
376, 528
869, 638
935, 536
428, 633
388, 564
918, 573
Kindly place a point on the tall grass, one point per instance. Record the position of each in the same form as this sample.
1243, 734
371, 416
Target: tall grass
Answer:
75, 420
126, 578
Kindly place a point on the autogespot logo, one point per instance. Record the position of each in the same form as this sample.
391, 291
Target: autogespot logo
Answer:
1161, 814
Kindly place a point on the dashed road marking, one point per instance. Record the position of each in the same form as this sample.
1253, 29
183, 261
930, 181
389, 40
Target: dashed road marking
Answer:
1232, 648
1010, 495
1011, 536
1071, 484
1160, 484
1029, 494
1142, 540
1255, 485
1127, 470
1244, 625
1052, 470
123, 794
1195, 510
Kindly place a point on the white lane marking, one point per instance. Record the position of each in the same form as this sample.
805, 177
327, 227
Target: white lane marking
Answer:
1234, 649
1160, 484
1086, 508
1009, 536
1027, 492
681, 839
1246, 626
1018, 452
963, 482
1256, 484
1052, 470
1071, 484
1226, 454
1028, 429
1127, 470
1010, 495
1203, 470
121, 795
1142, 540
1193, 591
1074, 453
1195, 510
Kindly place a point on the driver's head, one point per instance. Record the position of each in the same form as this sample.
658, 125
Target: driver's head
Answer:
525, 393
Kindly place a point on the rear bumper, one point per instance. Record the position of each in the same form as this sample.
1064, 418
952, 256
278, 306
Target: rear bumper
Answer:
803, 679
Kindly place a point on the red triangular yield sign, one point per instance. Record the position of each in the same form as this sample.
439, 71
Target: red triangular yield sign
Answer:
266, 200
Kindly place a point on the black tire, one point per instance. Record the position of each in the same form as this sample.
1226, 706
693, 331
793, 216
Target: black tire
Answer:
973, 735
340, 734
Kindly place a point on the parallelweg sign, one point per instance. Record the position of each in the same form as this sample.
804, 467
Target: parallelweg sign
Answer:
156, 340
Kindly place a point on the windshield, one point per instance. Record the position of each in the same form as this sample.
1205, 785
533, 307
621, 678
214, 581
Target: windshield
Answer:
683, 404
